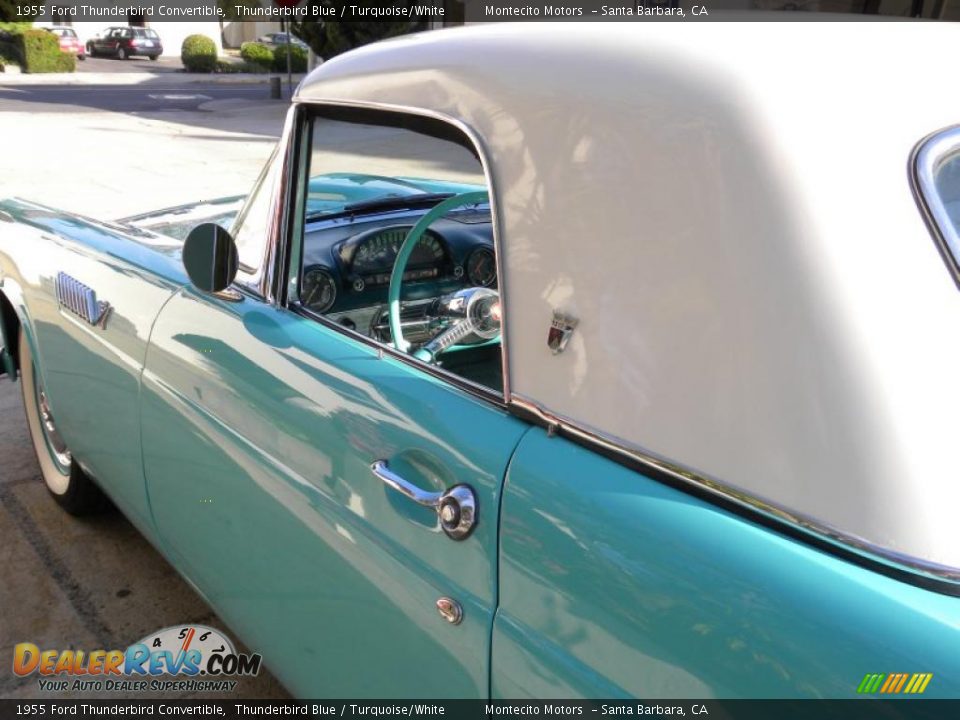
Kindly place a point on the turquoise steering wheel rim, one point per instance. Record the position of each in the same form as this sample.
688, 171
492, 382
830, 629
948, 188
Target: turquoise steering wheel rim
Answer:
406, 250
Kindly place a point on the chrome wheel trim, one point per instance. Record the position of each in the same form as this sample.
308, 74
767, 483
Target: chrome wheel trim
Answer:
55, 472
55, 443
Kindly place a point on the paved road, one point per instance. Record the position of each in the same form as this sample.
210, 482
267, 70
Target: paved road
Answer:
68, 583
112, 65
142, 98
109, 151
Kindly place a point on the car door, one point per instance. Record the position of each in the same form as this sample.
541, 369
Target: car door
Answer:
102, 42
260, 429
115, 38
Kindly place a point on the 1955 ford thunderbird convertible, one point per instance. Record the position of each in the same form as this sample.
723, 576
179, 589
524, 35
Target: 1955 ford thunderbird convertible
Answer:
609, 362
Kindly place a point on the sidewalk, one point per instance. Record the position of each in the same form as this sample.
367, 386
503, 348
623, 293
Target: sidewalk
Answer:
136, 78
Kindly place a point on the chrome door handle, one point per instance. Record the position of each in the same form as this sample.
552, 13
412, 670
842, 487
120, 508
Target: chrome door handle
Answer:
456, 507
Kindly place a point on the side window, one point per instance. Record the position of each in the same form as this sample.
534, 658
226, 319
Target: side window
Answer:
947, 180
396, 240
938, 175
252, 226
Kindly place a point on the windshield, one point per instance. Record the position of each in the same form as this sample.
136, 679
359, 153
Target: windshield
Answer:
337, 193
355, 164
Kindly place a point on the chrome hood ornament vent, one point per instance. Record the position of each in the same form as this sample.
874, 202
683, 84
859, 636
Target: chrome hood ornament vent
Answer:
81, 300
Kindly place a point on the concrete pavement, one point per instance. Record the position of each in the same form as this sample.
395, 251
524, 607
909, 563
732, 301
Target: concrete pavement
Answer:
136, 77
111, 164
95, 583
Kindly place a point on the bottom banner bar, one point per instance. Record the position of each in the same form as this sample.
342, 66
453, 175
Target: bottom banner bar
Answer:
713, 709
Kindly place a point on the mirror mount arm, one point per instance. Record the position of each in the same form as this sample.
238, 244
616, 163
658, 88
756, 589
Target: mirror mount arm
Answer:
230, 295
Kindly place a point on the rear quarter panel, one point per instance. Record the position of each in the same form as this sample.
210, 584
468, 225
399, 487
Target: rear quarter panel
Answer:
615, 585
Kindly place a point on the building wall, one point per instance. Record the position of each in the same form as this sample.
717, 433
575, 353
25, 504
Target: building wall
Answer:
173, 33
237, 33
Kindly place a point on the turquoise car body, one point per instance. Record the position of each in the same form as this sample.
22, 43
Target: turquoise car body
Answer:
618, 587
238, 437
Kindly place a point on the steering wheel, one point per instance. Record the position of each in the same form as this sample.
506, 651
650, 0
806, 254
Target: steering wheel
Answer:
476, 309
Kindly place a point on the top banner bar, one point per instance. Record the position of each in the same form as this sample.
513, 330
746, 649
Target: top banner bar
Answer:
440, 13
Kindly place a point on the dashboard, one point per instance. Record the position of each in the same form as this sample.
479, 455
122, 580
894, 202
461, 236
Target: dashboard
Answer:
348, 262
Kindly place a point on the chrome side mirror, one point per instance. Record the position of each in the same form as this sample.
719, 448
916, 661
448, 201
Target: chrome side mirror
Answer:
210, 257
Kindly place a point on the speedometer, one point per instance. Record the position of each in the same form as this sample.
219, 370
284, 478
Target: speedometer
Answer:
378, 252
319, 290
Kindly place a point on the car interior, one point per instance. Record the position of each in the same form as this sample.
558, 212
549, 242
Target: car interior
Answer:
398, 241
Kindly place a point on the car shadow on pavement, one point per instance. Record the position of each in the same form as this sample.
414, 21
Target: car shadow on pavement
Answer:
82, 583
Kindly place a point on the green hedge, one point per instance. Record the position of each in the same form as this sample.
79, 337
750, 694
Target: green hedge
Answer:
198, 54
39, 51
229, 67
254, 52
9, 52
298, 59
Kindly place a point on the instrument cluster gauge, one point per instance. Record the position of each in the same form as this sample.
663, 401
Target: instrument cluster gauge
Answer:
319, 289
482, 267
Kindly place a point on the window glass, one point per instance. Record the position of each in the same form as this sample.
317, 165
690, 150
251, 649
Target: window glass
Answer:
947, 182
253, 222
370, 179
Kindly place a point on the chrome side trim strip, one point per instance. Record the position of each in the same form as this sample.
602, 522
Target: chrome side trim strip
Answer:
917, 571
929, 154
485, 164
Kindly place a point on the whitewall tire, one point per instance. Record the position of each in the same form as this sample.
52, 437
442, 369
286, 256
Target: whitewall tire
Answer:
62, 475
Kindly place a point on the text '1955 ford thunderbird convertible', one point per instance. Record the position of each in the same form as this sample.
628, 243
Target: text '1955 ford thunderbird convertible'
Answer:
616, 361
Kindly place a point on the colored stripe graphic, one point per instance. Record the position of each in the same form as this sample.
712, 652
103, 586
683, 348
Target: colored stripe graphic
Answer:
894, 683
891, 682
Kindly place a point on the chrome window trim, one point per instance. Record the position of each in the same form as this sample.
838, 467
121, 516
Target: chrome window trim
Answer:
907, 568
258, 282
501, 398
481, 392
928, 156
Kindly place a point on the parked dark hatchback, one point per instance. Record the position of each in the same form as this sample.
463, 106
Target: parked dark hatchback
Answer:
126, 42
